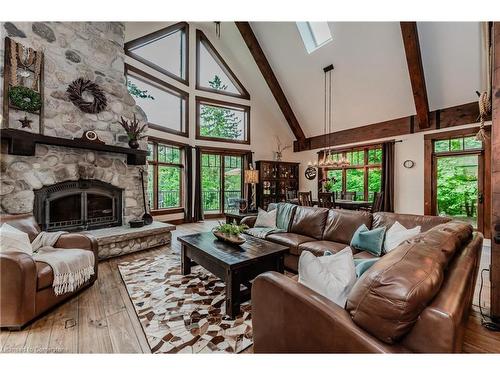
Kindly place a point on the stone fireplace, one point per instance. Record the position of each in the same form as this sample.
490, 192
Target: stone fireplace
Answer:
78, 205
64, 187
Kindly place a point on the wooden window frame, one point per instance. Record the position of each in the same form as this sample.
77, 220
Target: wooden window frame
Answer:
201, 38
171, 90
323, 171
222, 153
156, 164
146, 39
430, 180
219, 103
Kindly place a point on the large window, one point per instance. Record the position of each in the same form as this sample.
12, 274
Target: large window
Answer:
166, 106
363, 175
212, 72
165, 50
165, 176
222, 121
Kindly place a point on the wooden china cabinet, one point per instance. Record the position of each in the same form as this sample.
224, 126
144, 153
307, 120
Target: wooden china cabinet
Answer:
275, 178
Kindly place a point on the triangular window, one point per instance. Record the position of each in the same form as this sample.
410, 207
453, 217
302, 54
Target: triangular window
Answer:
212, 72
164, 50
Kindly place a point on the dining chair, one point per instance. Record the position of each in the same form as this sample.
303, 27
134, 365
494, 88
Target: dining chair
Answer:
376, 206
305, 198
349, 195
291, 194
326, 200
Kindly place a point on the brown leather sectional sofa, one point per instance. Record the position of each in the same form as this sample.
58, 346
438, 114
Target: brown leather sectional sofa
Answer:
414, 299
26, 285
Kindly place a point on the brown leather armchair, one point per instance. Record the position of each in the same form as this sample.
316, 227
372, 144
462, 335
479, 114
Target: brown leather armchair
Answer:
26, 285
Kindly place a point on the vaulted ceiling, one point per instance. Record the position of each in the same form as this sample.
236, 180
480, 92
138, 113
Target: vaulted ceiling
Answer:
371, 79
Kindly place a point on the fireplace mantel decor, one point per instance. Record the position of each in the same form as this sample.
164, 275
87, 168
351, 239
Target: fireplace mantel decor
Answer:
23, 143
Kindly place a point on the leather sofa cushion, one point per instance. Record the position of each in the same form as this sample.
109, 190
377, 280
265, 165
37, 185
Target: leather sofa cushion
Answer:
341, 224
25, 223
309, 221
292, 240
318, 248
44, 275
386, 219
388, 298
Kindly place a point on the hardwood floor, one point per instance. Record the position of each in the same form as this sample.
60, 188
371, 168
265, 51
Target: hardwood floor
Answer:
102, 319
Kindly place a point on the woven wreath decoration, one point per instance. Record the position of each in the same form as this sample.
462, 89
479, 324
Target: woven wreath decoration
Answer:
78, 87
25, 98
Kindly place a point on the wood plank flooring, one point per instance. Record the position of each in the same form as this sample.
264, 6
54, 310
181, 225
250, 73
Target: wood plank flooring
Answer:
102, 319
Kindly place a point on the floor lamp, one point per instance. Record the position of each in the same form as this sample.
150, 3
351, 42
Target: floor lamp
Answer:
252, 177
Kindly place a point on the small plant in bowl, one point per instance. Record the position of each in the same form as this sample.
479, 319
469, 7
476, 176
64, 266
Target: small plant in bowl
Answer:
230, 232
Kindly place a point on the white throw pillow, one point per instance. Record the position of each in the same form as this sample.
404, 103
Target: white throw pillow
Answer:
12, 239
397, 234
266, 219
332, 276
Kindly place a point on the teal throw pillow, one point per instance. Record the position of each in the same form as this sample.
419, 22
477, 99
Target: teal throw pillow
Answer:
369, 240
362, 265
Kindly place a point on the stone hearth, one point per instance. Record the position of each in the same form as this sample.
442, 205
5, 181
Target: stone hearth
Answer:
122, 240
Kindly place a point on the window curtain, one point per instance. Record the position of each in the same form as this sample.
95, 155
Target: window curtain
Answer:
198, 202
247, 189
188, 173
388, 176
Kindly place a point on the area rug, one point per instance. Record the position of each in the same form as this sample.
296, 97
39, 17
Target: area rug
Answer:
184, 314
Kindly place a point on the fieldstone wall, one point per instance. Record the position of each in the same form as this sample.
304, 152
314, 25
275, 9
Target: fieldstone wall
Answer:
90, 50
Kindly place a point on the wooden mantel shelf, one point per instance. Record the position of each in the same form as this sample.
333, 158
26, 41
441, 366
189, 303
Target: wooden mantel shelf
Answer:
24, 143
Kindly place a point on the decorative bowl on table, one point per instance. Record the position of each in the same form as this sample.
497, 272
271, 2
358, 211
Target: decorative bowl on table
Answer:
230, 233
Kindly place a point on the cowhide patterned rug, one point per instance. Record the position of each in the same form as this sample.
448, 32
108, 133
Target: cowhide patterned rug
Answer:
183, 314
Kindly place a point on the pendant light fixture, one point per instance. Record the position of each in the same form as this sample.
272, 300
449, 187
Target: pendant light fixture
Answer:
329, 157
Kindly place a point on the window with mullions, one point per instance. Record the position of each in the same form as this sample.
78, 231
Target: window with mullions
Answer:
165, 50
457, 144
165, 176
363, 175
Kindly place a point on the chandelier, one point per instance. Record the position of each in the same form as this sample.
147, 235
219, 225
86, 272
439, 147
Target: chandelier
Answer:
329, 158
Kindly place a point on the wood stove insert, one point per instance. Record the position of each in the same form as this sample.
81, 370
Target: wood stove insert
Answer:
78, 205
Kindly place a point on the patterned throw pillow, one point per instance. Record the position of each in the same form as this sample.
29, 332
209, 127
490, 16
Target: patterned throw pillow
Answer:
266, 219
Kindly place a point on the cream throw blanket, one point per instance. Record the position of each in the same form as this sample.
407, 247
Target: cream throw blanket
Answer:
71, 267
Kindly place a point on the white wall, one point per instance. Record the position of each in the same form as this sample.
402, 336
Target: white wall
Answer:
266, 119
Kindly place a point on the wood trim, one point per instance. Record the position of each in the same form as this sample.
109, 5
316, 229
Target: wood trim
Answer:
166, 141
356, 147
167, 211
495, 176
411, 43
223, 151
270, 78
202, 38
170, 89
453, 116
154, 35
219, 103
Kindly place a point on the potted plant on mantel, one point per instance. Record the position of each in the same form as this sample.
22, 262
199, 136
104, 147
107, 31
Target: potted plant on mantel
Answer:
230, 233
135, 132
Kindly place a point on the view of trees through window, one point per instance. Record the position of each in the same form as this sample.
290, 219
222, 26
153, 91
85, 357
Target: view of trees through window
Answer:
221, 181
363, 175
220, 122
457, 172
164, 176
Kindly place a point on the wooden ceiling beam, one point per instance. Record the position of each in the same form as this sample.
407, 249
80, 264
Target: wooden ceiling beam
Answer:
439, 119
415, 68
270, 78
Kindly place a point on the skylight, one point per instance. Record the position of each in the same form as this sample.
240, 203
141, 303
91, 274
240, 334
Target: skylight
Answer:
314, 34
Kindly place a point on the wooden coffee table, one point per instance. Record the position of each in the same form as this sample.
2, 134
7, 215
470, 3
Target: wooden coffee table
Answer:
235, 265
